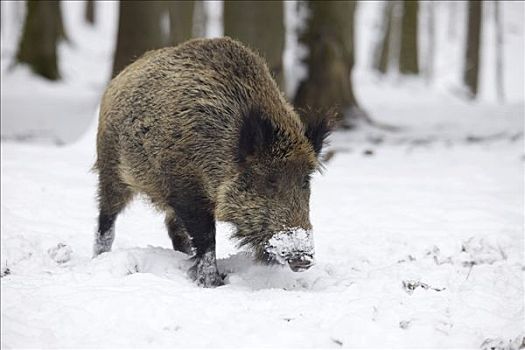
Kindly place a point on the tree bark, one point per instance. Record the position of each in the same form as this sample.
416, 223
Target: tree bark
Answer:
260, 25
90, 11
139, 30
471, 71
329, 37
181, 21
408, 56
42, 31
383, 49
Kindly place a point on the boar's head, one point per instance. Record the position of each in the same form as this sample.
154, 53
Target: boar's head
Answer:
268, 197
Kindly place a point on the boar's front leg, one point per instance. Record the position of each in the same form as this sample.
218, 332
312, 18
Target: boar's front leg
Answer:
177, 232
196, 212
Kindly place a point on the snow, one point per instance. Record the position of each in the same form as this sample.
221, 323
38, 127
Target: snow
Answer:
450, 217
295, 242
418, 232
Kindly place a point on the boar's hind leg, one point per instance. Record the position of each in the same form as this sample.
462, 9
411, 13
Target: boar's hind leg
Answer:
196, 213
179, 238
113, 196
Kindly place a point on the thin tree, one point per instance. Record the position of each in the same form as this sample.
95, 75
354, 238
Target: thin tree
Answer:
41, 34
139, 30
200, 18
181, 21
500, 91
260, 25
408, 55
383, 48
90, 11
471, 70
431, 41
329, 37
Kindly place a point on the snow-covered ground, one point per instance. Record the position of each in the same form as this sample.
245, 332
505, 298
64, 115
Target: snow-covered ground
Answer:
446, 215
418, 233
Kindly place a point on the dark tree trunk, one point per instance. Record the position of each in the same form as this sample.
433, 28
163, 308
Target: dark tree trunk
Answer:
328, 35
260, 25
42, 31
471, 71
90, 11
408, 60
181, 21
139, 30
383, 49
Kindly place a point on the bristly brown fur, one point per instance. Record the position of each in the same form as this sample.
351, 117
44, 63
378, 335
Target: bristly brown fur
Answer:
203, 130
319, 125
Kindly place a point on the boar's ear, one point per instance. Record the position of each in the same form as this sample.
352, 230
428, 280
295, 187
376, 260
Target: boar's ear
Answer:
257, 134
317, 128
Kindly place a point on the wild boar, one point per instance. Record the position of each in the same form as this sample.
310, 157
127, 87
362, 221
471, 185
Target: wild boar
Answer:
204, 132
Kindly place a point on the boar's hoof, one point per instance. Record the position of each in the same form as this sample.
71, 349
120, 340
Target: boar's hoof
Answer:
205, 278
204, 272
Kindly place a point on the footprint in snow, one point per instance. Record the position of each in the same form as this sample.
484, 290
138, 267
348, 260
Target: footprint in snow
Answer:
61, 253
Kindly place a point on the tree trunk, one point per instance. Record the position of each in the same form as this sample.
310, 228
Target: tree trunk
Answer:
383, 49
431, 41
471, 71
499, 52
181, 21
199, 19
328, 35
408, 60
90, 11
42, 31
139, 30
260, 25
60, 23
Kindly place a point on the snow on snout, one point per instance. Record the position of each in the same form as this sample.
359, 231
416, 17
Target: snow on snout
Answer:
295, 242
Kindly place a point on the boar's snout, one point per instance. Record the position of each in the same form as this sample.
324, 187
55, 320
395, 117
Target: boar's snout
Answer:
293, 247
301, 263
